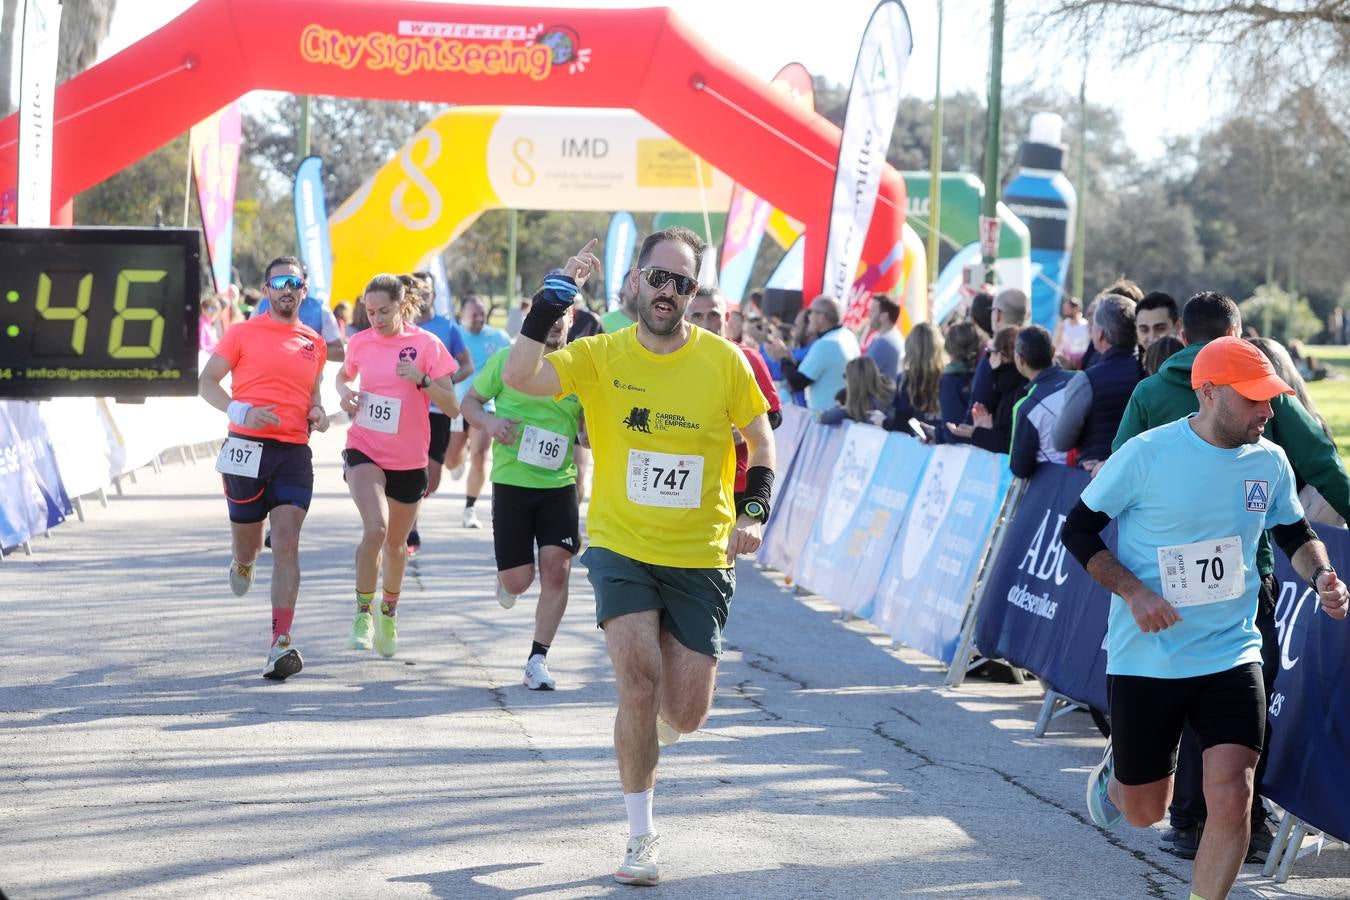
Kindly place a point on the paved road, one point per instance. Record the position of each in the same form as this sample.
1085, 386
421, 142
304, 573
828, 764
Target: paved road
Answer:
142, 755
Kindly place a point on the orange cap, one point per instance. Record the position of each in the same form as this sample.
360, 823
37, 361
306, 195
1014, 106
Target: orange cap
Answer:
1234, 362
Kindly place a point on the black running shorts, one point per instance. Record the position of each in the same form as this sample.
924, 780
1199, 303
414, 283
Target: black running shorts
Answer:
285, 478
400, 485
1148, 714
440, 436
523, 517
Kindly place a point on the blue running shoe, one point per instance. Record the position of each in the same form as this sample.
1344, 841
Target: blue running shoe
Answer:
1100, 808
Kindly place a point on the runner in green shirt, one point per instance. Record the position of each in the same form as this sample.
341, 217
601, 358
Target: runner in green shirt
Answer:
534, 495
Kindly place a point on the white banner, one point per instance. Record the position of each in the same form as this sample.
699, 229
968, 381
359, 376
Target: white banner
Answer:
873, 103
37, 97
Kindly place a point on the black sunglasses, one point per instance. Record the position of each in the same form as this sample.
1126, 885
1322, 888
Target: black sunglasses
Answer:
659, 278
285, 282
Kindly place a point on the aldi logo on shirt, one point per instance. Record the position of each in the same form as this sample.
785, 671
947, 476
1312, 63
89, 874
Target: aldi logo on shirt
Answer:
1258, 495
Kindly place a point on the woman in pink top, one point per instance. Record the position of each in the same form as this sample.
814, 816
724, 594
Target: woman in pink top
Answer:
401, 369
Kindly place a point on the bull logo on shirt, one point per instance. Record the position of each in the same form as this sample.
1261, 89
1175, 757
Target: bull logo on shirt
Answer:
407, 354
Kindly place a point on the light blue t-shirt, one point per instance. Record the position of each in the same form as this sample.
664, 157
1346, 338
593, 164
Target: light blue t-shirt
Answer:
824, 365
481, 347
1168, 488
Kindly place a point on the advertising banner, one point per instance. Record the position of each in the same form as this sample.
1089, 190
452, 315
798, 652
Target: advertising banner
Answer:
37, 103
1041, 610
795, 512
620, 245
311, 229
927, 582
215, 143
871, 487
32, 497
1310, 706
82, 442
873, 103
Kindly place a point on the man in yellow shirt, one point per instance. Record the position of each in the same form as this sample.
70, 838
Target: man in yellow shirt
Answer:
661, 399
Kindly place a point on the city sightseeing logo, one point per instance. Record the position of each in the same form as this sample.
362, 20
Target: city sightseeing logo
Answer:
470, 49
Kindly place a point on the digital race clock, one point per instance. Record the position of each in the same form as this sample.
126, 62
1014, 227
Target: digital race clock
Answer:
98, 312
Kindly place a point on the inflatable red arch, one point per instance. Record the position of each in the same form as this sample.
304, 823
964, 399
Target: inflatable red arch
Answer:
645, 59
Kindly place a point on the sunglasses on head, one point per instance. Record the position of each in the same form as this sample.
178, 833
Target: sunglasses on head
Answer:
659, 278
285, 282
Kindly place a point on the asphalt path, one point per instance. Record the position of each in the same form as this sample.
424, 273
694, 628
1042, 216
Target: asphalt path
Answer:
142, 755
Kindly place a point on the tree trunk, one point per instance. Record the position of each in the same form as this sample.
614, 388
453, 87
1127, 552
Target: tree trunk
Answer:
9, 26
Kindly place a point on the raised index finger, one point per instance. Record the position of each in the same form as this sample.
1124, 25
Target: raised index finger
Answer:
590, 245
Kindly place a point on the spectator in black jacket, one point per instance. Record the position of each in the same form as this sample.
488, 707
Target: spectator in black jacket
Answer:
916, 396
963, 352
1095, 398
992, 430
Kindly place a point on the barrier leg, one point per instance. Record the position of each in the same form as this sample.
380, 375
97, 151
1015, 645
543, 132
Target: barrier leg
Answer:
155, 462
1291, 852
103, 497
27, 548
117, 485
1047, 713
132, 476
79, 508
1280, 844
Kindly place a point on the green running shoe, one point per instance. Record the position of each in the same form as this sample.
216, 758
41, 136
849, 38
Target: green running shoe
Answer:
363, 630
386, 635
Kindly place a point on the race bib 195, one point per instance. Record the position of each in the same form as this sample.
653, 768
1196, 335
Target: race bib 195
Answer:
665, 479
239, 457
1204, 572
379, 413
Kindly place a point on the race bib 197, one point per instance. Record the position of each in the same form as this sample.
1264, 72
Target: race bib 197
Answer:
541, 447
239, 457
665, 479
379, 413
1204, 572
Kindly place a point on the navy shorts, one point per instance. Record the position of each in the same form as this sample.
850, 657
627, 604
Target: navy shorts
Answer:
285, 478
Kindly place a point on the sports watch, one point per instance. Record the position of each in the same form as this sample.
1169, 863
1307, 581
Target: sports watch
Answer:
755, 510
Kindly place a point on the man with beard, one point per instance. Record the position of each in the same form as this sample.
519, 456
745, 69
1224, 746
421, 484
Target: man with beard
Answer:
534, 495
1192, 500
275, 364
661, 399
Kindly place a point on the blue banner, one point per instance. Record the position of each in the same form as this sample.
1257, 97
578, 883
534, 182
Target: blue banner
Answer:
926, 585
794, 515
311, 228
32, 497
1310, 706
620, 242
869, 491
1041, 610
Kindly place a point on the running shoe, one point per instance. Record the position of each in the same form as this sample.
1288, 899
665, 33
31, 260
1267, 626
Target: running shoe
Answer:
665, 732
1100, 808
1261, 842
505, 597
640, 863
386, 635
457, 472
1183, 843
537, 677
471, 518
283, 660
241, 577
414, 543
363, 630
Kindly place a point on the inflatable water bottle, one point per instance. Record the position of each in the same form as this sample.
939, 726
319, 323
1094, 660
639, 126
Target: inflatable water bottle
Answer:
1043, 198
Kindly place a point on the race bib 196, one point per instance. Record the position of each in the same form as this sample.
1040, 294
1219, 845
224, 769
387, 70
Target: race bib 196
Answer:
665, 479
541, 447
379, 413
1203, 572
239, 457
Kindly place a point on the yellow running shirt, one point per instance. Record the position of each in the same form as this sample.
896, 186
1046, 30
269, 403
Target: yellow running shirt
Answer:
660, 426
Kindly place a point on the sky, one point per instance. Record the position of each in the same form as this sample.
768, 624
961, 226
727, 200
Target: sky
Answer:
1155, 94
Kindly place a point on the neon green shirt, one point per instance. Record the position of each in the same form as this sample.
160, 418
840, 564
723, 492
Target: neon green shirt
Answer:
544, 438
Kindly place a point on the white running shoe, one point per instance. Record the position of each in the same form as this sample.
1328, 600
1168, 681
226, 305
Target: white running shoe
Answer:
457, 472
665, 732
283, 660
640, 864
505, 597
471, 518
241, 577
537, 677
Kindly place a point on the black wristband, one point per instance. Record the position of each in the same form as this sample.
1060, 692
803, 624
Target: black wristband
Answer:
550, 303
758, 487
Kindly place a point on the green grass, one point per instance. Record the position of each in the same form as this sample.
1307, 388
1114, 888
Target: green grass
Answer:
1332, 395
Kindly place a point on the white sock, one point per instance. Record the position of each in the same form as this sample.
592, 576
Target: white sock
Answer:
639, 812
